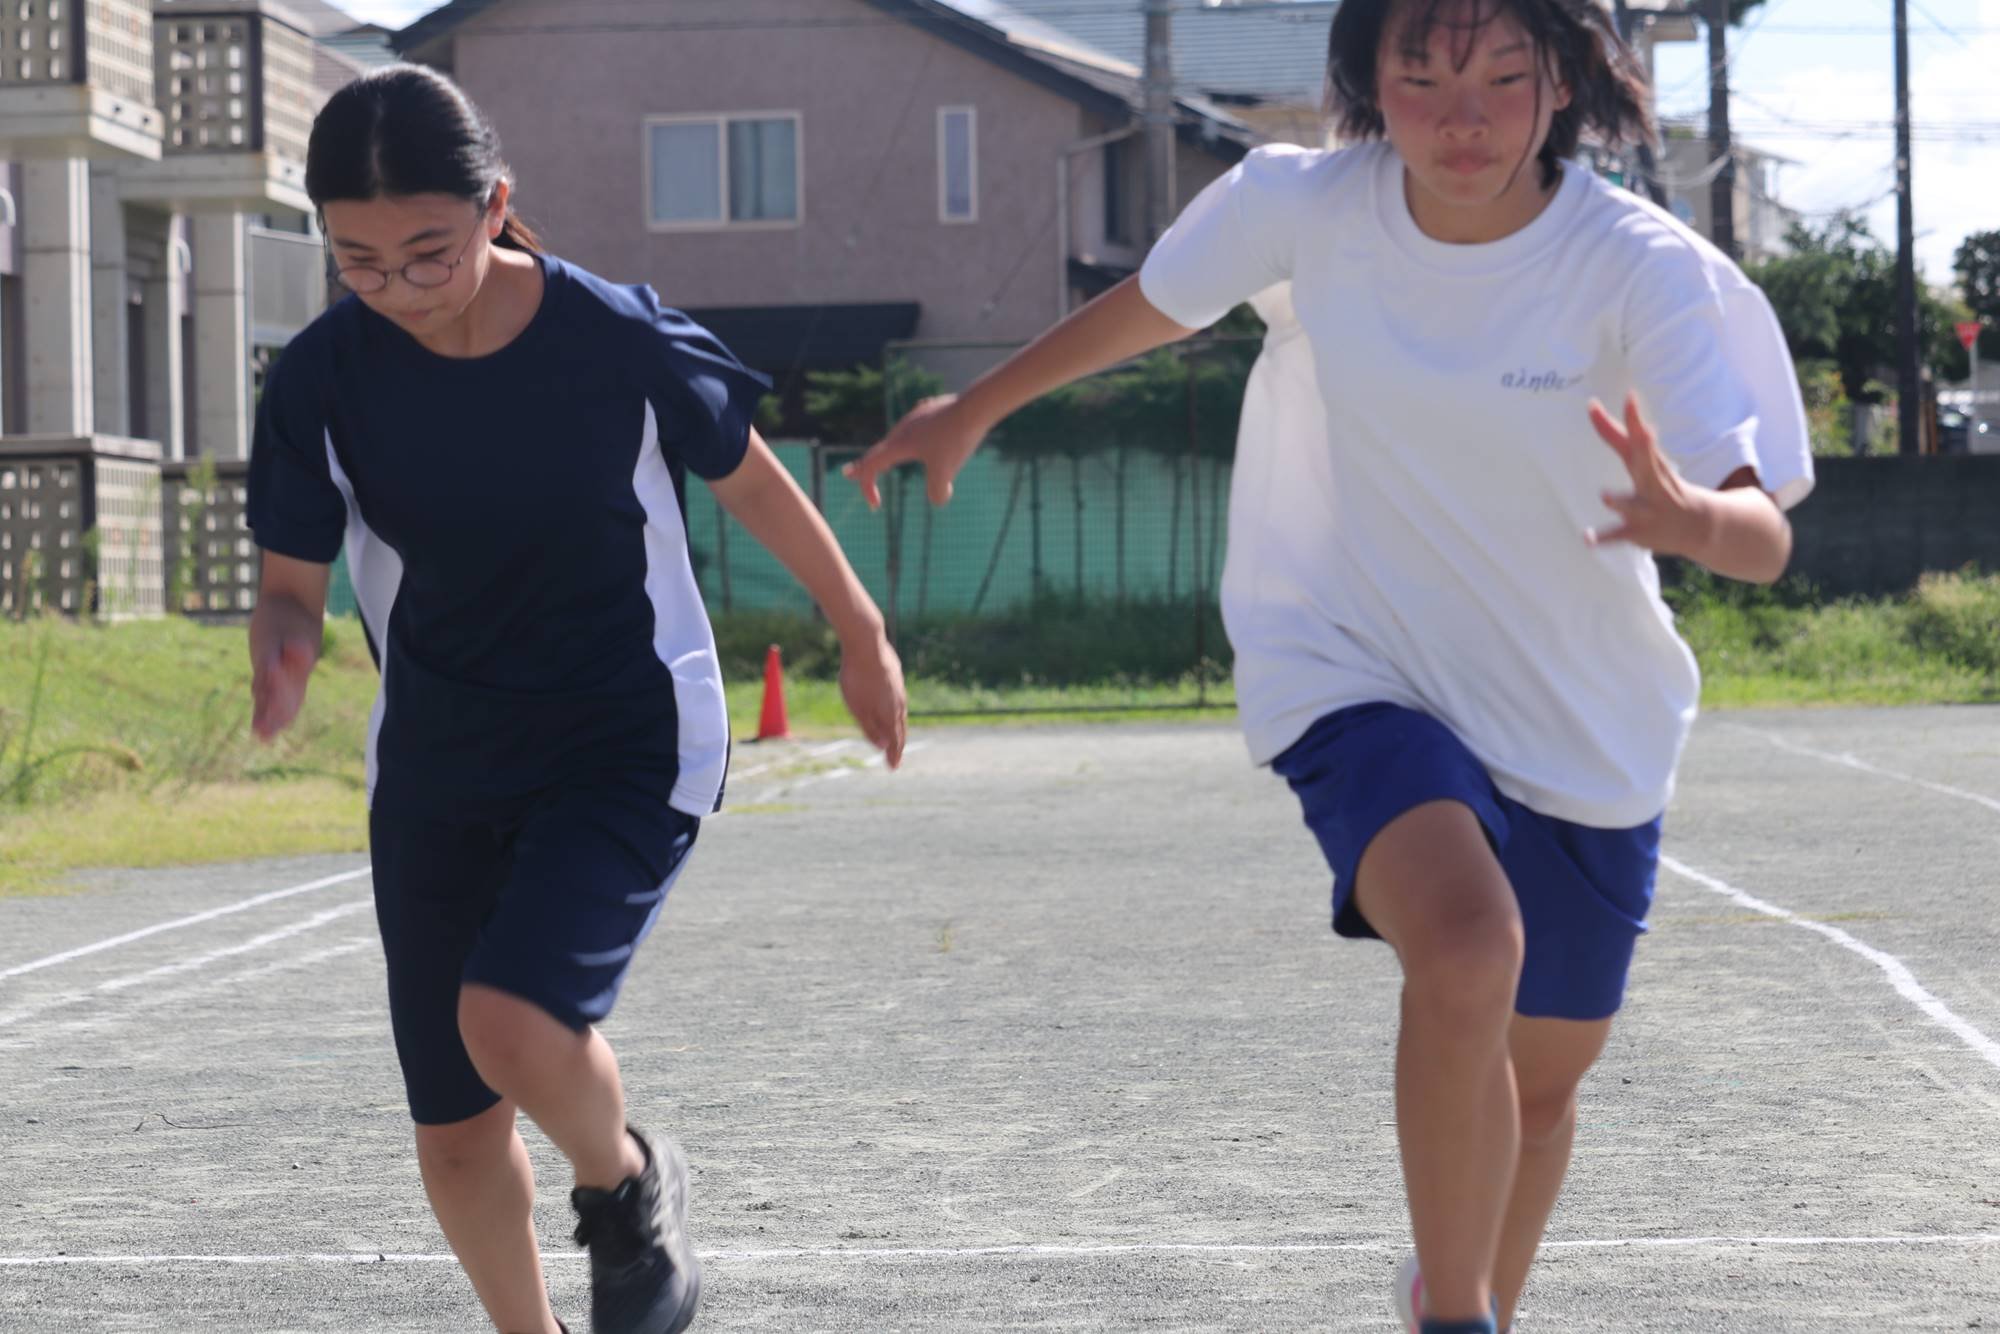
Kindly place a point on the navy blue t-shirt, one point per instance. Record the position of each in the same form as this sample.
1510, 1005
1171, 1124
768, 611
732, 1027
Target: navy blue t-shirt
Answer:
515, 530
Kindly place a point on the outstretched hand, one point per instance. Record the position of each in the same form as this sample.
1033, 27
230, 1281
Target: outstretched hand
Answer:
1661, 512
933, 434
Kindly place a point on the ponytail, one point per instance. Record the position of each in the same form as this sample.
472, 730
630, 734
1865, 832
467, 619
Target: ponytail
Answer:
518, 235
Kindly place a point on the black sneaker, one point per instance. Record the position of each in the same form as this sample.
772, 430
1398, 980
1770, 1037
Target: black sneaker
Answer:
643, 1276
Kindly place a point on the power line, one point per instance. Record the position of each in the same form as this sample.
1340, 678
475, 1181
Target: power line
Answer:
1735, 52
1865, 30
1939, 25
1782, 123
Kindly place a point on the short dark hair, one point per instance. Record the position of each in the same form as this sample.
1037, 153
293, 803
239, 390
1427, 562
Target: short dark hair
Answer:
1576, 37
407, 130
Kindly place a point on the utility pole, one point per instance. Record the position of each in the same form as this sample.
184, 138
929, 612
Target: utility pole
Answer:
1159, 88
1649, 175
1722, 192
1909, 385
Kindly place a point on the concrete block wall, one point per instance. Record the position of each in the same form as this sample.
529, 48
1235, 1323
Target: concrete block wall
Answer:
1876, 525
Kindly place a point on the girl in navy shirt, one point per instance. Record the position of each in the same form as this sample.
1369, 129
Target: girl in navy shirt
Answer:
502, 441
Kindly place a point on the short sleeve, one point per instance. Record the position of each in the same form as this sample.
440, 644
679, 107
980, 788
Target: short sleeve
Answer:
1711, 368
294, 507
1758, 350
704, 397
1231, 243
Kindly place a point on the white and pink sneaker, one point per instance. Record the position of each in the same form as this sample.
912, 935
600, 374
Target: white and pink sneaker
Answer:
1410, 1295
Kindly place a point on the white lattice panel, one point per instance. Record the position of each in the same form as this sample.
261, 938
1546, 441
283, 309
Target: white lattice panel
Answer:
41, 535
205, 80
212, 547
120, 34
131, 576
290, 99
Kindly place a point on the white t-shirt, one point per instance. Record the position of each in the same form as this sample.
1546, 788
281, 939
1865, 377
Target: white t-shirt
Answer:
1417, 468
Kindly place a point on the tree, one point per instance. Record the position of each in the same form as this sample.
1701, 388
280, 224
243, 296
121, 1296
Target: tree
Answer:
858, 407
1978, 268
1835, 294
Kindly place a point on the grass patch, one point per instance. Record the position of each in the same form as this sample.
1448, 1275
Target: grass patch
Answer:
129, 744
1774, 647
40, 845
162, 707
1058, 642
816, 709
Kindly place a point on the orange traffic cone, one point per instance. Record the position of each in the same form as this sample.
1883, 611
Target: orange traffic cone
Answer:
771, 725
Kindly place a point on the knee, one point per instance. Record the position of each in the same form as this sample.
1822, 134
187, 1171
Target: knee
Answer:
1467, 961
468, 1146
500, 1033
1547, 1115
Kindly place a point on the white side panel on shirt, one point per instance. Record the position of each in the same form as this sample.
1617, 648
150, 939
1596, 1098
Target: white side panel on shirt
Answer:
682, 636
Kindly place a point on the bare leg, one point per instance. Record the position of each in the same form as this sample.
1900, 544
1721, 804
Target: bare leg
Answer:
567, 1082
1550, 1057
482, 1188
1430, 884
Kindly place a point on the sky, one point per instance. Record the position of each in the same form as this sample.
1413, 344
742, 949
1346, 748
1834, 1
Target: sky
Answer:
1814, 80
1817, 69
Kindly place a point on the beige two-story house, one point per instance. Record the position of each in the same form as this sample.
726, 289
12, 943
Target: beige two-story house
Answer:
818, 180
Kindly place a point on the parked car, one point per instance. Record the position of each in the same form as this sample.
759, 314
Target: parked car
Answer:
1954, 431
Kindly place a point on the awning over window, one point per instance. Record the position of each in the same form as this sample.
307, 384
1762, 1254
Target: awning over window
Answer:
779, 340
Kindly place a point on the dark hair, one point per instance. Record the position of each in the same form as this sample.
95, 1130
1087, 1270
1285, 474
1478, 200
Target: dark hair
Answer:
408, 130
1576, 38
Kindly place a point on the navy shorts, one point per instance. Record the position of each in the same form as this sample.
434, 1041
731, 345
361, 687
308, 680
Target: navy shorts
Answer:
547, 902
1584, 893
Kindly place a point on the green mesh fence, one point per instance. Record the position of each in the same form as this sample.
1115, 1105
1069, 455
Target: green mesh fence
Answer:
340, 590
1083, 543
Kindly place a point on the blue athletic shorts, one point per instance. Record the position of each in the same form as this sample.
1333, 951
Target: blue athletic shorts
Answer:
546, 901
1584, 893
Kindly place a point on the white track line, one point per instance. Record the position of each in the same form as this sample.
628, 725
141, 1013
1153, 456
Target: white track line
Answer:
244, 906
1850, 761
1027, 1251
1899, 974
352, 945
188, 965
810, 752
786, 787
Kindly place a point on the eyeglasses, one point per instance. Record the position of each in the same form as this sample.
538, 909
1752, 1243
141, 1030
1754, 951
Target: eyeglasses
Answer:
363, 280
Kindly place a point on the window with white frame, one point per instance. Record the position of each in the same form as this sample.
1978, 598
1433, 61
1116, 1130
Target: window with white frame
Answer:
958, 164
722, 171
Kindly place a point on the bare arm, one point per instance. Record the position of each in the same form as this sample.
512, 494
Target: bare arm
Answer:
285, 633
765, 500
942, 433
1748, 536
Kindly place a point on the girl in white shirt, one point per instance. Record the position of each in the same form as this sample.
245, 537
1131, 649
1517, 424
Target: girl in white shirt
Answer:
1440, 586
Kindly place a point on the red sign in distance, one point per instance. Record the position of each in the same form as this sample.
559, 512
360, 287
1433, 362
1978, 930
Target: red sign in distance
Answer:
1968, 334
